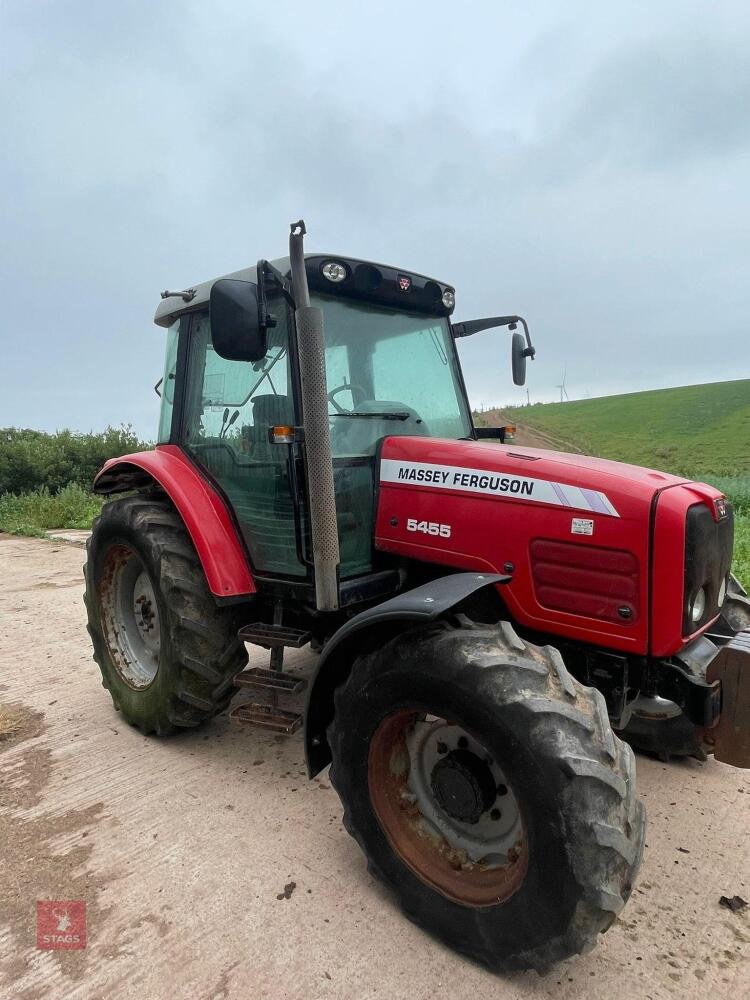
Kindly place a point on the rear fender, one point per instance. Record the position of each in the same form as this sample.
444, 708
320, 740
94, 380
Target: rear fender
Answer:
202, 509
375, 626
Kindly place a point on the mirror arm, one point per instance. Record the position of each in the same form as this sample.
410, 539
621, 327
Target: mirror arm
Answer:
473, 326
530, 351
266, 269
265, 320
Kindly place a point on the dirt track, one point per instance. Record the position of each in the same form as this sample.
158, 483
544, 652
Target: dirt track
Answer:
181, 849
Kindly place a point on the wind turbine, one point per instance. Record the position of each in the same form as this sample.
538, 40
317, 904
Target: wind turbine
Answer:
561, 386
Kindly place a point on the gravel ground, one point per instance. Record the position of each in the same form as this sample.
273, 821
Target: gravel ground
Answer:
182, 850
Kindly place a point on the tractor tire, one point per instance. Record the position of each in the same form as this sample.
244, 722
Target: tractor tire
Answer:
167, 652
451, 727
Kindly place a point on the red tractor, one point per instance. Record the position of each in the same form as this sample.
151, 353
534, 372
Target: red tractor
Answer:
487, 616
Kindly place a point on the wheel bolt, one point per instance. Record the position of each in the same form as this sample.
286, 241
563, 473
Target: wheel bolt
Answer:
462, 742
441, 747
502, 789
495, 814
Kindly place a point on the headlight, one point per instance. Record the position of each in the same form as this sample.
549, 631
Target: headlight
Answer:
698, 607
722, 592
449, 298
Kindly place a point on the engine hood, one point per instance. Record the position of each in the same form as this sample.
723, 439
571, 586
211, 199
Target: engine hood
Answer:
529, 474
577, 534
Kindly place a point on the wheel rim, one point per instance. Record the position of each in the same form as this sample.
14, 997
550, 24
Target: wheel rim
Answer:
447, 808
130, 617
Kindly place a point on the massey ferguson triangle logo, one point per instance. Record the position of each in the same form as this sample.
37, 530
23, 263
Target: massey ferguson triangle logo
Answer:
404, 282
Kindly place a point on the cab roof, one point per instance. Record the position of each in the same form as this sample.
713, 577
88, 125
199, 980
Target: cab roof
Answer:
176, 304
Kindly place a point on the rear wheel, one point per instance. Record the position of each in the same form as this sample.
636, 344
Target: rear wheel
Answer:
167, 652
486, 788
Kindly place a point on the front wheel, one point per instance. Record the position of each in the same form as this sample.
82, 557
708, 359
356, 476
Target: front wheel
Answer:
486, 788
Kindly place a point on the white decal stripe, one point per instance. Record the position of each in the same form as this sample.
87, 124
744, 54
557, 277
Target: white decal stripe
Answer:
457, 477
576, 498
608, 504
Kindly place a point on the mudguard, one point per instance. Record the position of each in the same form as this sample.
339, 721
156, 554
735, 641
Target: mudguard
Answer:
200, 506
423, 604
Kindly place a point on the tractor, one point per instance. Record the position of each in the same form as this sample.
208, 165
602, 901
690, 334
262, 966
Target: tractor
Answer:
494, 625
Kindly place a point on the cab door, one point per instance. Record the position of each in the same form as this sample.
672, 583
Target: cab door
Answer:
228, 409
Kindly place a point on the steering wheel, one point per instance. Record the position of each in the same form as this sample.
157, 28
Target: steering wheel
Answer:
348, 387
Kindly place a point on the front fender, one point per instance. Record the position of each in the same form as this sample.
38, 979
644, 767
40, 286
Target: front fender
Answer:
200, 506
423, 604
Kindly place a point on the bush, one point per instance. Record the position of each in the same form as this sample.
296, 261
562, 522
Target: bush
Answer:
33, 460
38, 512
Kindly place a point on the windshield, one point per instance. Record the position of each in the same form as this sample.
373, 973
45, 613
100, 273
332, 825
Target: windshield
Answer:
389, 373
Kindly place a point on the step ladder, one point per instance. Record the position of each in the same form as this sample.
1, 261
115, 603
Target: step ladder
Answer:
277, 720
274, 636
272, 681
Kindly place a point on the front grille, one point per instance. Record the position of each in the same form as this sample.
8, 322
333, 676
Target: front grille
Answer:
708, 559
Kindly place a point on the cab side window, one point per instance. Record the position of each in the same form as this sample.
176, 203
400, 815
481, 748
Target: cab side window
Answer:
229, 408
233, 403
168, 383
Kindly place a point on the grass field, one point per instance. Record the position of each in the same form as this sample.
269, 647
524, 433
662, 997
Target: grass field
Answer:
742, 551
696, 430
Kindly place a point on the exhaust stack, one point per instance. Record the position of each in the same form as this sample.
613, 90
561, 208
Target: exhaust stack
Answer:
319, 462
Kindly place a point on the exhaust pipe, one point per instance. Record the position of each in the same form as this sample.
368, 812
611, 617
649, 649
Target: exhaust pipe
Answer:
318, 458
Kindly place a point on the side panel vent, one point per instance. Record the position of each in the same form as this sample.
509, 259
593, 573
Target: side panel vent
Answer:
586, 580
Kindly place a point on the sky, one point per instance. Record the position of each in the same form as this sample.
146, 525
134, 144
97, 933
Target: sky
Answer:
585, 165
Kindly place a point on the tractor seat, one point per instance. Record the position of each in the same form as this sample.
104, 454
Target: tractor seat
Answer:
359, 436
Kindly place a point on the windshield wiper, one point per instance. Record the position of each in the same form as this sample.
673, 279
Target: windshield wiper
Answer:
386, 415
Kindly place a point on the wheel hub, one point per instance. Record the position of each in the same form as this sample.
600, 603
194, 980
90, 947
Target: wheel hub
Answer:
461, 792
447, 808
130, 617
463, 785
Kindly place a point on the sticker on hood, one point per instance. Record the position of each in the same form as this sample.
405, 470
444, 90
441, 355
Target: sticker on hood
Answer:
453, 477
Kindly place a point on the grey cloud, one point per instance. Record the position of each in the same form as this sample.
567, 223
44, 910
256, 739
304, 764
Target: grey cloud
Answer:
159, 146
665, 104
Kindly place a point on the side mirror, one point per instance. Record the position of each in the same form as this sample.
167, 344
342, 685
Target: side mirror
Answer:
518, 358
234, 319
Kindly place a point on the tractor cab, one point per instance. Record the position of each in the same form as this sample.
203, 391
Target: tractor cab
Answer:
391, 369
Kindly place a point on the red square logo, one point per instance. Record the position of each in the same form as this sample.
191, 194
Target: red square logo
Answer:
61, 923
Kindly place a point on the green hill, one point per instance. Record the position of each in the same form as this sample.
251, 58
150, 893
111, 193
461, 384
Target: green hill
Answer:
696, 430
